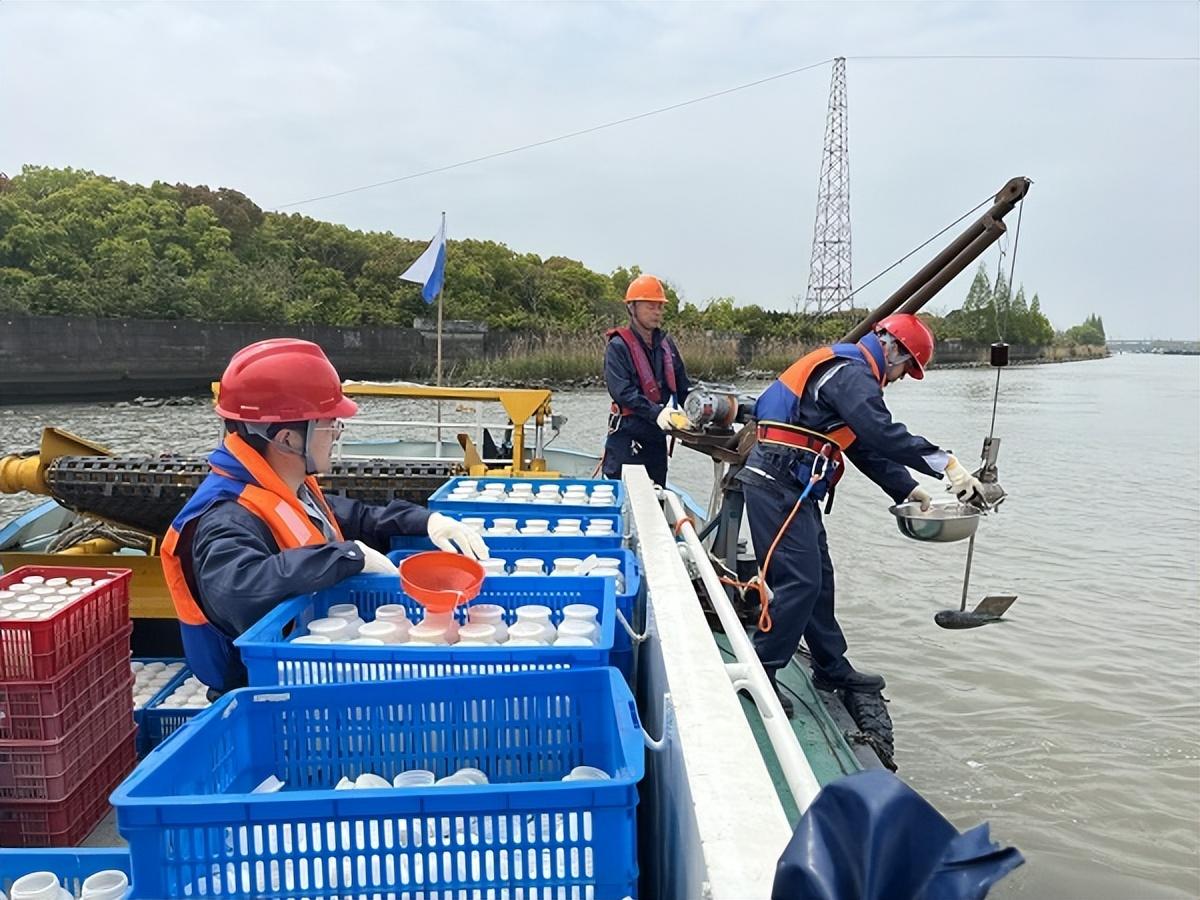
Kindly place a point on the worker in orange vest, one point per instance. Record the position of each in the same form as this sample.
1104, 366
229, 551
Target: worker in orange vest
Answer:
647, 381
259, 530
828, 407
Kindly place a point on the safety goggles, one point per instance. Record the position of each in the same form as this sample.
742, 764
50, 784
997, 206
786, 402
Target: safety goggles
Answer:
337, 427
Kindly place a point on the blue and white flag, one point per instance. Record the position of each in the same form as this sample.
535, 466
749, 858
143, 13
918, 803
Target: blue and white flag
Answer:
430, 268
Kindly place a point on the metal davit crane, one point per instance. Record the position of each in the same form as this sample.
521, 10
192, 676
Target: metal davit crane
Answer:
957, 255
716, 411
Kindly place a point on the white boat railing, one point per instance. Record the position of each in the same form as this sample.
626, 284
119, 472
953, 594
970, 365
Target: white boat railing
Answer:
475, 428
747, 673
708, 796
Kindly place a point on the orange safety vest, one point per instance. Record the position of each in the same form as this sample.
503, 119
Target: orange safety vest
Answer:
795, 379
238, 473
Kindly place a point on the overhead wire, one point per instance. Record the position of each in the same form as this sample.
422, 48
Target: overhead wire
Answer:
563, 137
986, 200
1012, 274
1029, 57
1000, 332
721, 93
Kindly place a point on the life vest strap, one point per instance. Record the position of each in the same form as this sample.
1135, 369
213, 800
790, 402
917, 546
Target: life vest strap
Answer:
798, 438
644, 370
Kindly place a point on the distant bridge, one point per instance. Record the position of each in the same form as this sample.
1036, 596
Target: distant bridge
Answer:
1153, 345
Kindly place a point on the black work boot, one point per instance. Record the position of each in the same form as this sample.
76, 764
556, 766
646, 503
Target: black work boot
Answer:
785, 701
851, 681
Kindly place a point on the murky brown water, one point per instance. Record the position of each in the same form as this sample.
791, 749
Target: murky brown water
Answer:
1075, 728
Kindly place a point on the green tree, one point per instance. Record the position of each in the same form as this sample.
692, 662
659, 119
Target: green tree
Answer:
1090, 332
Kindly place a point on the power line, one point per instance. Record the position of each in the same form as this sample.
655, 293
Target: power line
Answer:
986, 200
1024, 56
731, 90
562, 137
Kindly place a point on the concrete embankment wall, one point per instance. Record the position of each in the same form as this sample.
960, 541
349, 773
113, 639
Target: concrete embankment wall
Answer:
51, 357
79, 358
954, 352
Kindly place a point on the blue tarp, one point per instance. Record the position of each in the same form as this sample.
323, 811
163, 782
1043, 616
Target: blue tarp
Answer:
869, 836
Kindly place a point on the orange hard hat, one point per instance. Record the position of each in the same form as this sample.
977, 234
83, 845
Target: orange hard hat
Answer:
914, 336
646, 288
282, 380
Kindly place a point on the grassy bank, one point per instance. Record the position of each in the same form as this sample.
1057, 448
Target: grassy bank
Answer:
577, 360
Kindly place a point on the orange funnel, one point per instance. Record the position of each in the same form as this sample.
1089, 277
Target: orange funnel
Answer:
441, 581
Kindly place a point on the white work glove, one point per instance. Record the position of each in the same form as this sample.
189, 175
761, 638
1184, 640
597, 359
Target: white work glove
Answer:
453, 536
672, 418
922, 496
375, 563
965, 485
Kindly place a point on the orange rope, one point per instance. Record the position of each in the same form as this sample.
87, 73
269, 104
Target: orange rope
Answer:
759, 582
689, 520
764, 602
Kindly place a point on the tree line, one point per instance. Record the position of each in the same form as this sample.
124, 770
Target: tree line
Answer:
76, 243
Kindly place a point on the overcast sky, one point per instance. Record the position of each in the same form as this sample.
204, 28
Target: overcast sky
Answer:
286, 102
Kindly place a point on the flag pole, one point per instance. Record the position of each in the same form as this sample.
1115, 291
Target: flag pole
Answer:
441, 290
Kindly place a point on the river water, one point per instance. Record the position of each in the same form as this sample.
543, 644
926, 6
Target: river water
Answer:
1074, 728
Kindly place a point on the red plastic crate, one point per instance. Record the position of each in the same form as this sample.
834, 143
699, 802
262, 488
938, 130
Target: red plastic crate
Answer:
46, 711
44, 650
64, 823
50, 770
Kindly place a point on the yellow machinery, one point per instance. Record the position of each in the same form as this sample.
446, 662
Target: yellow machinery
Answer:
88, 478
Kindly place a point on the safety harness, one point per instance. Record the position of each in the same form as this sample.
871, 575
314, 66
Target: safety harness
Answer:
795, 380
645, 371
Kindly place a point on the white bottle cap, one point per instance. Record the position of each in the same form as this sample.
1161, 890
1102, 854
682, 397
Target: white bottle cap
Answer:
587, 773
477, 633
527, 631
582, 611
384, 631
391, 612
414, 778
576, 628
37, 886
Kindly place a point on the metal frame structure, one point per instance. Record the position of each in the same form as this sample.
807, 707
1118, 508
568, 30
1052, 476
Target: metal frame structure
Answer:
829, 274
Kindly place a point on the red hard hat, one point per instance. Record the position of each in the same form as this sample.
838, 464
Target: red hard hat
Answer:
914, 336
282, 380
646, 288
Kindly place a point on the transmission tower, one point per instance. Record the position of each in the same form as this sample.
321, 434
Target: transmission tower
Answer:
829, 271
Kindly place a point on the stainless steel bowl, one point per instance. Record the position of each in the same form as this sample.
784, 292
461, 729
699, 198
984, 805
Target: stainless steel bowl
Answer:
942, 523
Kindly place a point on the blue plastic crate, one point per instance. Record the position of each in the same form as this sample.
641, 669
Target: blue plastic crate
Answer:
139, 715
627, 601
71, 865
566, 546
441, 500
522, 514
271, 659
194, 829
159, 722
